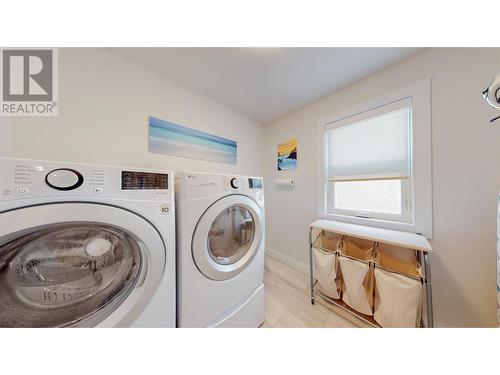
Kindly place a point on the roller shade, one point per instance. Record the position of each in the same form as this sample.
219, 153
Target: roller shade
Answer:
371, 145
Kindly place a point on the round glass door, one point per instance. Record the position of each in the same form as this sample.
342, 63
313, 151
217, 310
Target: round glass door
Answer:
231, 235
227, 237
64, 273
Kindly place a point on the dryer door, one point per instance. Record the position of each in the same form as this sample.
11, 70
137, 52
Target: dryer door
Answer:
227, 237
76, 264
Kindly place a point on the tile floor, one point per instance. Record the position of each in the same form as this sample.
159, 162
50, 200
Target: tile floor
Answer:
287, 299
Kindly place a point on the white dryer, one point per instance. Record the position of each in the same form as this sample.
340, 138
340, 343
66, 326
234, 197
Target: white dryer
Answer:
220, 250
85, 245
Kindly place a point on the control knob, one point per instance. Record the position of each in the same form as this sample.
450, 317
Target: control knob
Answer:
64, 179
235, 184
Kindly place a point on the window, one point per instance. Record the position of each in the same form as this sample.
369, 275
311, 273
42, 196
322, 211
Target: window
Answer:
368, 161
375, 162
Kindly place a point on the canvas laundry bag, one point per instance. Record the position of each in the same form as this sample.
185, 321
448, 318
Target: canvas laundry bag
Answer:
357, 278
388, 261
326, 266
397, 297
397, 300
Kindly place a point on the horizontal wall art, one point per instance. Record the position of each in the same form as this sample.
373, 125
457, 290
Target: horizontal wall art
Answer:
287, 155
172, 139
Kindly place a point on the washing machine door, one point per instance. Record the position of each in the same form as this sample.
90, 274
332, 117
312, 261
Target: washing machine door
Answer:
227, 237
76, 264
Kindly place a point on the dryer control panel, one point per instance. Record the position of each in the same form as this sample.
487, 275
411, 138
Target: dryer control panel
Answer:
255, 183
200, 185
25, 178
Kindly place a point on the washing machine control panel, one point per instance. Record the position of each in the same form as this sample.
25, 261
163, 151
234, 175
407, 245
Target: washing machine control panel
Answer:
139, 180
24, 179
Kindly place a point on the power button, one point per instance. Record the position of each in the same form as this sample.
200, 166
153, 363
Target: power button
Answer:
23, 190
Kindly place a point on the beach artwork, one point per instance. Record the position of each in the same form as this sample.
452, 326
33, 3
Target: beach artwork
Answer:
287, 155
172, 139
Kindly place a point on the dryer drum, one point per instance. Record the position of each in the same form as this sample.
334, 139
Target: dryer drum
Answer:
65, 273
231, 235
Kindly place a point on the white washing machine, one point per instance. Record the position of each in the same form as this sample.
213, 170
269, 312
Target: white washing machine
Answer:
220, 250
85, 245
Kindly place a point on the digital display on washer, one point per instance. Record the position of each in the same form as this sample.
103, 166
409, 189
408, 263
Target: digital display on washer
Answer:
255, 183
144, 180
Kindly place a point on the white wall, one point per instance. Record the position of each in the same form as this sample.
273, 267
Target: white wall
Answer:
104, 104
466, 176
5, 135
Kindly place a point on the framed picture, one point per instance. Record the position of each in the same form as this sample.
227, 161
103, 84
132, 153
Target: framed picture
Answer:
287, 155
172, 139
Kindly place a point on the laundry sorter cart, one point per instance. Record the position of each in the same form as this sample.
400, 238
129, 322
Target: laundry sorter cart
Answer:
381, 276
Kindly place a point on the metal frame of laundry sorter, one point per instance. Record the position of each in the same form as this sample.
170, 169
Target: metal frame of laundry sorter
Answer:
422, 256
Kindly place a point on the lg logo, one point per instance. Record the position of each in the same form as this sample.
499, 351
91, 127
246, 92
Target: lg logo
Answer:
29, 84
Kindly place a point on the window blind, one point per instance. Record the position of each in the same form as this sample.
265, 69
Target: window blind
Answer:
371, 145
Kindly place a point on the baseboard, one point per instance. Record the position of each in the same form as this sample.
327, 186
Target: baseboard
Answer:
289, 261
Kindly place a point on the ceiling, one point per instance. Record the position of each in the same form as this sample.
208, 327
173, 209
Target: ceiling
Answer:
264, 83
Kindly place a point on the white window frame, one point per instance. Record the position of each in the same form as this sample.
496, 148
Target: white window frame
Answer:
421, 161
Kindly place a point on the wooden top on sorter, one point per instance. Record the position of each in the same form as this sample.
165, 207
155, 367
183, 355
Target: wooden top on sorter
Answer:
387, 236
